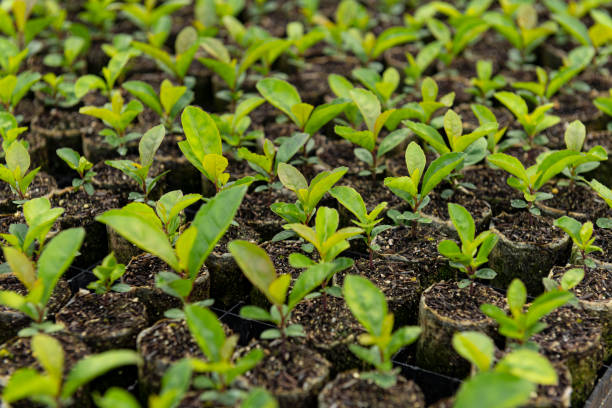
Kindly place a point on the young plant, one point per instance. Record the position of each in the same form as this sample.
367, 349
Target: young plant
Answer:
168, 104
81, 165
119, 117
329, 241
109, 272
302, 41
266, 164
11, 57
99, 13
474, 144
604, 104
308, 195
40, 278
174, 386
574, 140
415, 188
111, 73
49, 387
30, 238
15, 172
474, 250
283, 96
220, 362
383, 86
139, 224
233, 126
467, 30
582, 236
58, 90
510, 383
606, 194
522, 324
533, 123
14, 87
547, 86
369, 306
529, 181
9, 130
369, 222
203, 147
177, 65
230, 70
17, 24
139, 172
423, 111
418, 65
153, 19
259, 269
368, 47
485, 84
74, 49
525, 34
370, 150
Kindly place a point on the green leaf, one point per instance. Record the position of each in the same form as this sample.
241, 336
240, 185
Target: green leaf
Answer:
206, 330
368, 105
463, 222
57, 257
574, 136
494, 390
27, 382
367, 303
145, 93
281, 95
256, 266
149, 143
201, 132
308, 280
528, 365
545, 304
513, 102
351, 200
363, 138
476, 347
49, 353
116, 398
510, 164
570, 226
516, 296
322, 183
137, 223
291, 177
439, 169
96, 365
391, 141
323, 114
574, 27
21, 266
429, 135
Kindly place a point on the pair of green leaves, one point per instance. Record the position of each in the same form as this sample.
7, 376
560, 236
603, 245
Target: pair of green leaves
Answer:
108, 272
521, 325
110, 74
233, 126
581, 234
308, 195
369, 306
474, 250
81, 165
15, 172
40, 278
606, 194
50, 387
422, 111
485, 83
415, 188
14, 87
510, 383
533, 123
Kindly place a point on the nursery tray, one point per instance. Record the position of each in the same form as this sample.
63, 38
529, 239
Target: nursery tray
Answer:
601, 397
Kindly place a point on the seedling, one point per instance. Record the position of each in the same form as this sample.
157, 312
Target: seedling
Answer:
170, 101
230, 70
30, 238
383, 86
74, 48
349, 14
368, 47
82, 166
606, 194
266, 165
467, 30
233, 126
18, 25
308, 196
15, 172
510, 383
119, 117
423, 111
177, 65
407, 187
41, 277
533, 123
352, 201
306, 117
100, 13
329, 241
380, 343
169, 209
259, 269
109, 272
485, 84
417, 66
522, 324
9, 130
582, 236
110, 75
139, 224
302, 41
219, 362
473, 144
139, 172
474, 250
52, 389
14, 87
152, 18
574, 140
174, 385
604, 104
370, 150
529, 181
11, 57
59, 90
203, 148
569, 280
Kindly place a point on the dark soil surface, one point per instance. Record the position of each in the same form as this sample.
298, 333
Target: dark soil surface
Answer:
524, 227
450, 301
596, 285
